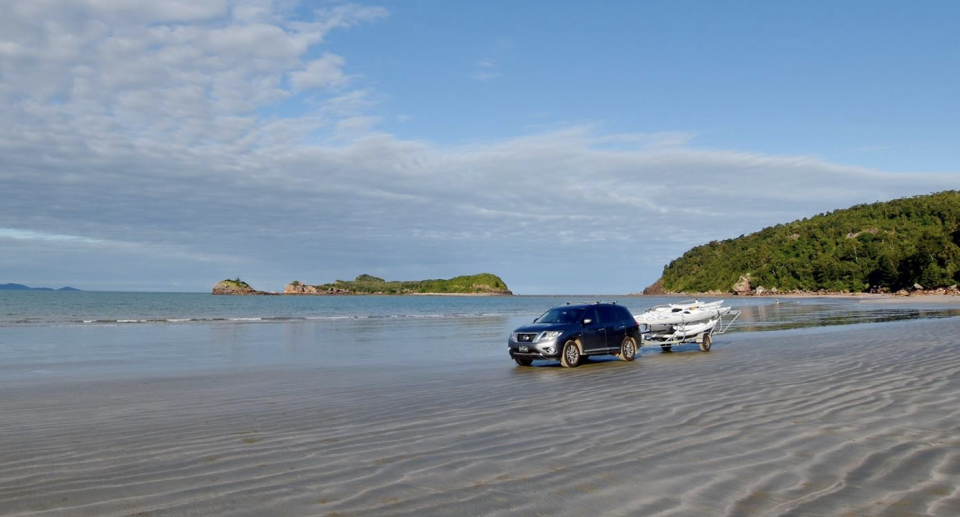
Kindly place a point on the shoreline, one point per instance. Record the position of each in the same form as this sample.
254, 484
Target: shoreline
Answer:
876, 297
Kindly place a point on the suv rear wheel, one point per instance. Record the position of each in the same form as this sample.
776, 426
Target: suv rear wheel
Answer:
628, 349
570, 356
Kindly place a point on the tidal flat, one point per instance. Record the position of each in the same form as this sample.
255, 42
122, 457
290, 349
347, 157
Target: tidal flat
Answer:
428, 416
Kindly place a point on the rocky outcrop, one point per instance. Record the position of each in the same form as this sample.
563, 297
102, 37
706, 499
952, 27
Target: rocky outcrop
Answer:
236, 287
655, 289
742, 287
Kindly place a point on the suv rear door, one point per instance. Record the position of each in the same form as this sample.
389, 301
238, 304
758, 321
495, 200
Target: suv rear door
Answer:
594, 334
616, 328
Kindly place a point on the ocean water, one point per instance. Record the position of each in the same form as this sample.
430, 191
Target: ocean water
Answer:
55, 336
50, 308
44, 308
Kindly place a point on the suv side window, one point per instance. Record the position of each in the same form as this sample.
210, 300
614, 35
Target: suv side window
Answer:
624, 314
608, 313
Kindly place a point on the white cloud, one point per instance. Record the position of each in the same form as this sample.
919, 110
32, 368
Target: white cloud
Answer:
347, 15
290, 207
13, 233
326, 72
355, 126
486, 70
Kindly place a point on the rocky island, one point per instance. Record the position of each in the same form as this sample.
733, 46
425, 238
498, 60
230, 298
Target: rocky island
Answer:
482, 284
236, 287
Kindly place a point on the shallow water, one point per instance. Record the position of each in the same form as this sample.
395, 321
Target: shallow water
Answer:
818, 312
47, 336
46, 308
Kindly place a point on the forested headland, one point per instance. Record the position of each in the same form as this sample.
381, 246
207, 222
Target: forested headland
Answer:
878, 247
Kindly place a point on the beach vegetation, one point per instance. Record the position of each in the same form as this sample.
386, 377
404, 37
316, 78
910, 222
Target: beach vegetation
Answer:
240, 284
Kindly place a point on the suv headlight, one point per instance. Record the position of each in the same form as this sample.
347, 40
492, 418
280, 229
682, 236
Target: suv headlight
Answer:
549, 335
513, 336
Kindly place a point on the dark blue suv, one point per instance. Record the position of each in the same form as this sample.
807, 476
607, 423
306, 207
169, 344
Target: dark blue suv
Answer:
573, 331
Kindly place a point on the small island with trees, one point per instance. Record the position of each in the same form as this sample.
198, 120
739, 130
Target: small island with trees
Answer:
482, 284
909, 244
473, 285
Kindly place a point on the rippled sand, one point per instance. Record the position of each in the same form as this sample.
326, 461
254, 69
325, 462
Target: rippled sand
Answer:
861, 420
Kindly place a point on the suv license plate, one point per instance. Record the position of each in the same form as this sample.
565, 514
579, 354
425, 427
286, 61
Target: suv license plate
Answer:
524, 348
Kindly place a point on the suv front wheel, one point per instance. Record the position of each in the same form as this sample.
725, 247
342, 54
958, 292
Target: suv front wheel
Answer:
570, 356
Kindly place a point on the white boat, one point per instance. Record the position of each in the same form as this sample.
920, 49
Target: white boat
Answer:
693, 304
663, 317
692, 329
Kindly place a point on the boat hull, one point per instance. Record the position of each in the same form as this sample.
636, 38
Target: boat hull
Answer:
661, 320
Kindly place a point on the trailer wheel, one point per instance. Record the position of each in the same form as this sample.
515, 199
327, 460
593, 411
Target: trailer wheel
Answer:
705, 343
628, 349
570, 356
665, 348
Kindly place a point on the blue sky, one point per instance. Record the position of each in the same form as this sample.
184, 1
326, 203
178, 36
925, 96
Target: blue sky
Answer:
844, 82
570, 147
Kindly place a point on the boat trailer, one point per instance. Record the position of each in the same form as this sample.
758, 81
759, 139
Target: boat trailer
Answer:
679, 334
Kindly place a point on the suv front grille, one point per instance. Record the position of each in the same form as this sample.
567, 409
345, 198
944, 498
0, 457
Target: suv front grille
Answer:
524, 337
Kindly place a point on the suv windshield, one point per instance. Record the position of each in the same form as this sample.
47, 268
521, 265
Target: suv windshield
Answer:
560, 315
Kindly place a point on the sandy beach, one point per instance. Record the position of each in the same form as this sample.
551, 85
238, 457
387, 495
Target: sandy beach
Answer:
856, 420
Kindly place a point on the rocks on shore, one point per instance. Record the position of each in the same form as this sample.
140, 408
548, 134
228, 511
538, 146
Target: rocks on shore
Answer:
743, 288
298, 287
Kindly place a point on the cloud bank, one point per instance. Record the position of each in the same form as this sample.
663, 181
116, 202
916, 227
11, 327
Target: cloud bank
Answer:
169, 145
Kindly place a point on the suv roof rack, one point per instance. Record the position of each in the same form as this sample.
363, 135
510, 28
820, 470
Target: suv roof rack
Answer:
594, 302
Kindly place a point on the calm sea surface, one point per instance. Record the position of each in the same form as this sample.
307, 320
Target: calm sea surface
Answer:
49, 336
90, 309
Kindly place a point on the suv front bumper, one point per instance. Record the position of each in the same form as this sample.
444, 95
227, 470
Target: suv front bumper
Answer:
542, 350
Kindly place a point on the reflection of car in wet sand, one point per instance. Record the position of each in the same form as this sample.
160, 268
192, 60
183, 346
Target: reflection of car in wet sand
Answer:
570, 332
690, 321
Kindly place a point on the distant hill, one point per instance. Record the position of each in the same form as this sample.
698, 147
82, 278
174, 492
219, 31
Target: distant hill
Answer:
21, 287
884, 246
484, 283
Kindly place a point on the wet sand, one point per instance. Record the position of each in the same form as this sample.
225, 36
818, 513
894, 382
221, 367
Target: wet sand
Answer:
857, 420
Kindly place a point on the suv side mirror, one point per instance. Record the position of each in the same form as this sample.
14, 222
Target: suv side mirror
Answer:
586, 321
